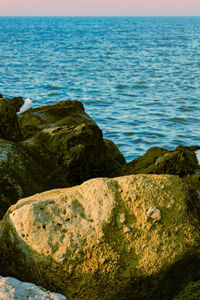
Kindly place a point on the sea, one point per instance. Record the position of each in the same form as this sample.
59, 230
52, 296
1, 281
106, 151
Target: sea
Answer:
137, 77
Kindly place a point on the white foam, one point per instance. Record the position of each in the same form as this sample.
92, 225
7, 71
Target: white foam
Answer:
198, 156
27, 105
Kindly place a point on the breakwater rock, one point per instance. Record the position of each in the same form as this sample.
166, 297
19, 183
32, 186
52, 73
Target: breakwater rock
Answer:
182, 161
132, 237
131, 234
11, 288
50, 147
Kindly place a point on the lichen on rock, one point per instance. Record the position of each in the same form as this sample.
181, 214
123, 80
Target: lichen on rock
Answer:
70, 241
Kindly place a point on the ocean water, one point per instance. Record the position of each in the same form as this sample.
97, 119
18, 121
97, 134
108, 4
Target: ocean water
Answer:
138, 77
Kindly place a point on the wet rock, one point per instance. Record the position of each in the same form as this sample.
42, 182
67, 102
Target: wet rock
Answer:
9, 127
181, 161
25, 170
100, 240
11, 288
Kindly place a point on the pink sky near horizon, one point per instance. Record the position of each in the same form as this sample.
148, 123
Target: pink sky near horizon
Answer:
99, 7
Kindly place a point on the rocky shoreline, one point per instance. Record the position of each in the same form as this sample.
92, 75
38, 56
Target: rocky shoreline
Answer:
79, 220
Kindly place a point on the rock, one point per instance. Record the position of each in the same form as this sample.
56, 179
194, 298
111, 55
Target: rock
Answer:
57, 146
25, 170
193, 182
9, 127
132, 237
79, 150
181, 161
11, 288
114, 157
64, 113
74, 140
190, 292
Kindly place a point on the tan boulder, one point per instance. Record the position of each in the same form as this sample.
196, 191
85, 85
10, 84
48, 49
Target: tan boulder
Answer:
124, 238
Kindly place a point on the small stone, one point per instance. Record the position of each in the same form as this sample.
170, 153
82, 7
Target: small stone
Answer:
122, 218
11, 288
126, 229
154, 213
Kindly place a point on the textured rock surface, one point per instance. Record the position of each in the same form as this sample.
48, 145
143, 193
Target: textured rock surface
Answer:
11, 288
73, 139
115, 159
25, 170
193, 181
64, 113
9, 127
132, 237
181, 161
57, 146
190, 292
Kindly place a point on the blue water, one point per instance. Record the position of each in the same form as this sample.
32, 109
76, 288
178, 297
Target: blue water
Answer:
138, 78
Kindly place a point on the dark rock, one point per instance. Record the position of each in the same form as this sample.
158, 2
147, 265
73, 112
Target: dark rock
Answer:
58, 146
73, 139
115, 160
193, 181
9, 127
181, 161
190, 292
64, 113
25, 170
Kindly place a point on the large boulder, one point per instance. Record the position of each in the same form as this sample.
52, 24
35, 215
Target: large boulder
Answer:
25, 170
182, 161
11, 288
132, 237
49, 147
64, 113
74, 140
9, 127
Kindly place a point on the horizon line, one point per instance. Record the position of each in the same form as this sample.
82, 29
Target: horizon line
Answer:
102, 16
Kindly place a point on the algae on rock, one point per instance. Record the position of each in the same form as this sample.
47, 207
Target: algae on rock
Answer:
101, 240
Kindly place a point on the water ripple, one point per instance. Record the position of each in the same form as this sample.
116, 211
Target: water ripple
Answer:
138, 78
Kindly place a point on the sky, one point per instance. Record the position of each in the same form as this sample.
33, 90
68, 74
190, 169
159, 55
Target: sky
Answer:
99, 7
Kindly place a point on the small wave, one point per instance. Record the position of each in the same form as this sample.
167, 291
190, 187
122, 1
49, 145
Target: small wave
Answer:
138, 140
178, 120
139, 86
53, 94
198, 156
130, 95
51, 87
120, 86
27, 105
155, 134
